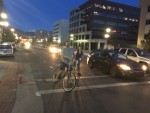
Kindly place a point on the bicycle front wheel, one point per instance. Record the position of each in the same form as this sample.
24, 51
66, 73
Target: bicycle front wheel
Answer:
69, 82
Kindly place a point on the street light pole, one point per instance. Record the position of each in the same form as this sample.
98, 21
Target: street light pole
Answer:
3, 24
72, 38
107, 35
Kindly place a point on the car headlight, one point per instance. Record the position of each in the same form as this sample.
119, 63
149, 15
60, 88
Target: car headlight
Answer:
53, 50
124, 67
144, 67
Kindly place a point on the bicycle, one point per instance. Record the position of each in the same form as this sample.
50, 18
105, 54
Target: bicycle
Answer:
68, 78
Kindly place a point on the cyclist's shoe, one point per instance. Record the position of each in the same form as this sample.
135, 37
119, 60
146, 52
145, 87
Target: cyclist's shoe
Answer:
56, 78
79, 74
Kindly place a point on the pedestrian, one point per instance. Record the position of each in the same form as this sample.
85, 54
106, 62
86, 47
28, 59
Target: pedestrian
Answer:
79, 56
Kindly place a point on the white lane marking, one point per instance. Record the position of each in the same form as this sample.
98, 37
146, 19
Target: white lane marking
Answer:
92, 87
51, 67
81, 77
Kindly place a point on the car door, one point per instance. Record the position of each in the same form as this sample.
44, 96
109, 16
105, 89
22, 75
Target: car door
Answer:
103, 59
131, 54
95, 58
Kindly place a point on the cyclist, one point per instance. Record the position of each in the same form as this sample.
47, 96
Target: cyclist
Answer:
67, 54
79, 57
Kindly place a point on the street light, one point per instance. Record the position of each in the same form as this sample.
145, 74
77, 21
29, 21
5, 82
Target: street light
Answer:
108, 30
71, 38
4, 23
3, 15
12, 29
107, 35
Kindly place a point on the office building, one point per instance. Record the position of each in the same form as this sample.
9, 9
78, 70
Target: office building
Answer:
61, 31
144, 24
89, 21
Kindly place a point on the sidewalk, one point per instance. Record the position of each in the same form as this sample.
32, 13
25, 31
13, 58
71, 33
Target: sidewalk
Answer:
16, 95
8, 85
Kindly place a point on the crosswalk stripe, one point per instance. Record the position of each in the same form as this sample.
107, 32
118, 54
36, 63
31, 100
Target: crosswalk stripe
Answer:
81, 77
92, 87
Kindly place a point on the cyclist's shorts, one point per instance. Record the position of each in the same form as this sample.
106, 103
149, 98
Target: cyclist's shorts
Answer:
63, 65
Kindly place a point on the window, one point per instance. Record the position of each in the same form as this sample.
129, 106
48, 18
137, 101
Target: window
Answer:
99, 21
82, 36
111, 23
131, 53
148, 8
87, 37
123, 51
147, 22
96, 54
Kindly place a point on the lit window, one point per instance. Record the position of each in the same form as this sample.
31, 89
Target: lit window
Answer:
104, 7
109, 7
125, 18
120, 10
96, 13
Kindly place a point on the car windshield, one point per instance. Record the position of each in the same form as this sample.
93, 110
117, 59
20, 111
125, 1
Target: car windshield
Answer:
116, 55
5, 46
143, 53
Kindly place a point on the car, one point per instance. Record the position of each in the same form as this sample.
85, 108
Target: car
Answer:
138, 55
54, 49
6, 50
115, 63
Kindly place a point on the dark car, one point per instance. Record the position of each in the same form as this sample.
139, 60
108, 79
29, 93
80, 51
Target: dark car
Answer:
115, 63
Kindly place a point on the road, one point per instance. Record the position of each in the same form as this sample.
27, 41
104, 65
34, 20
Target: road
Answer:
96, 92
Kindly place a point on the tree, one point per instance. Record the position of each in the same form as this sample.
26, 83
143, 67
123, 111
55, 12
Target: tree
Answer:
146, 42
8, 36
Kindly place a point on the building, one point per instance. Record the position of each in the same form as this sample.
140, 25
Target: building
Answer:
144, 24
88, 24
61, 31
1, 5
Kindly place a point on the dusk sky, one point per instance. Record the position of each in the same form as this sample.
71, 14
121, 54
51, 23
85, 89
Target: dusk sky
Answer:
31, 15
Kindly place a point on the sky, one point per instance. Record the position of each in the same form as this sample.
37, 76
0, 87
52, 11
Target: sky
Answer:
31, 15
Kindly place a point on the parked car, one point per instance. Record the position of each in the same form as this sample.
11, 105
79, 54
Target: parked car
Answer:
115, 63
138, 55
6, 50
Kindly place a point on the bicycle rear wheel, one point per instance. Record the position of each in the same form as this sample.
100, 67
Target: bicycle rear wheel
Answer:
69, 82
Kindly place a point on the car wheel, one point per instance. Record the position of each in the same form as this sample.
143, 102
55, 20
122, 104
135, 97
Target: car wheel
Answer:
113, 72
90, 64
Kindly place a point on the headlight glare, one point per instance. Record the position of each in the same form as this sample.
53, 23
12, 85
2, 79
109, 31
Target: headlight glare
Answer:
124, 67
144, 67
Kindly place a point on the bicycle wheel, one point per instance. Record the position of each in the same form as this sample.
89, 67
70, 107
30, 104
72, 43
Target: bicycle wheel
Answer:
69, 82
55, 72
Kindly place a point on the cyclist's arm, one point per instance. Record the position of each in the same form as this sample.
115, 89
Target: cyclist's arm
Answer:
65, 57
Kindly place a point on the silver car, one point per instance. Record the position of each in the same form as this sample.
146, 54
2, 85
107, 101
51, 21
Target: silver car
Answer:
138, 55
6, 50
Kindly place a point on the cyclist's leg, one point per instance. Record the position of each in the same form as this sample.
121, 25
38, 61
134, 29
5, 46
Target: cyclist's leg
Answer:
62, 70
79, 62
